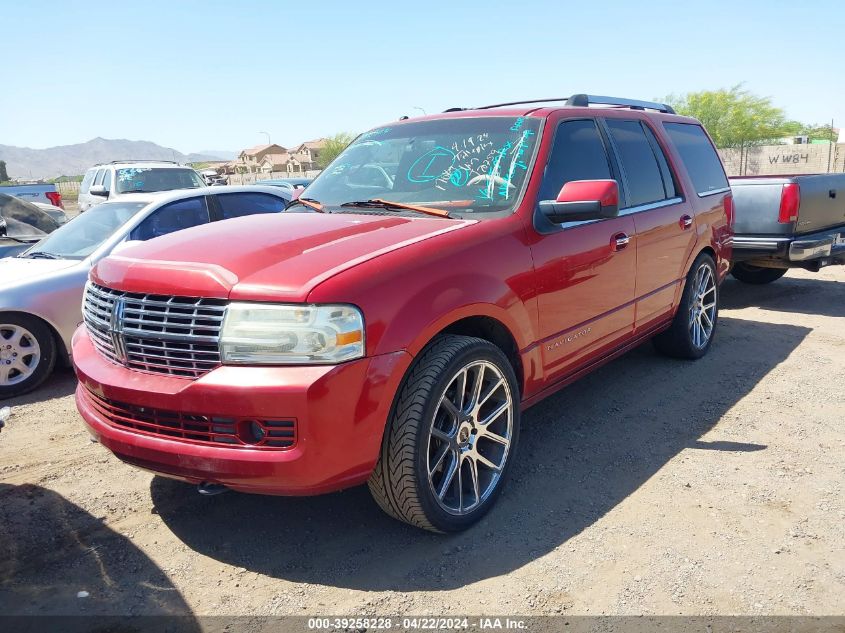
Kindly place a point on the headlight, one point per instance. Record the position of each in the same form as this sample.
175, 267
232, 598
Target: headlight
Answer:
268, 334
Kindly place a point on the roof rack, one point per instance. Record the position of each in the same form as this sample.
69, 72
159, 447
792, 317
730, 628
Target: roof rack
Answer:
137, 160
635, 104
583, 101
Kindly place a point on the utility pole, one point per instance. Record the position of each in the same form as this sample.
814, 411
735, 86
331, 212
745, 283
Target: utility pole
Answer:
830, 146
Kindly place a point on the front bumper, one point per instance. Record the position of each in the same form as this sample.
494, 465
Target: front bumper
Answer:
340, 414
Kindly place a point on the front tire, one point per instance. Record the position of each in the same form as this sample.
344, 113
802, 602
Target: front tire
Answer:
451, 437
694, 326
27, 354
757, 275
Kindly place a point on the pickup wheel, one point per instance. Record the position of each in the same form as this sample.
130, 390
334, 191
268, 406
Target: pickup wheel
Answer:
451, 437
692, 330
749, 274
27, 354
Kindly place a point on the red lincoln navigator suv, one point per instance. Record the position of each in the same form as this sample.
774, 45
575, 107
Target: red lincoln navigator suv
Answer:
439, 277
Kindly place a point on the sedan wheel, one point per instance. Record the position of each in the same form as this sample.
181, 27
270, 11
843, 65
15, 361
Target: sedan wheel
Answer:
20, 354
27, 353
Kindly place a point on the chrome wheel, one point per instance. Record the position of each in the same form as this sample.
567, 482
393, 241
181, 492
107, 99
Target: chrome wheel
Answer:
19, 354
470, 437
702, 314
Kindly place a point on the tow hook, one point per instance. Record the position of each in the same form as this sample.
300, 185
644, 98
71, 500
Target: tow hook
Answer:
209, 490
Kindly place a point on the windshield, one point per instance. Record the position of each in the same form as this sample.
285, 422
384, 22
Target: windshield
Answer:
146, 179
465, 165
83, 234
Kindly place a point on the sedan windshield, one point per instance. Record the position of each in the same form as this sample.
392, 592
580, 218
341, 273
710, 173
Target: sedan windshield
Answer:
146, 179
83, 234
466, 165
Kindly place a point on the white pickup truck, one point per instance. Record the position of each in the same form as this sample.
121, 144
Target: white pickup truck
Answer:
784, 222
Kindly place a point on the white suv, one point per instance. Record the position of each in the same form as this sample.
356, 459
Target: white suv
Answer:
112, 180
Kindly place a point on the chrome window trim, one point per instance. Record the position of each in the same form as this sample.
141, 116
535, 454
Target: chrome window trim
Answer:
650, 205
627, 211
713, 193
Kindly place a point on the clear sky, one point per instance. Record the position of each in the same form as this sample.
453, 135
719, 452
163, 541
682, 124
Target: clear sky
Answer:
212, 74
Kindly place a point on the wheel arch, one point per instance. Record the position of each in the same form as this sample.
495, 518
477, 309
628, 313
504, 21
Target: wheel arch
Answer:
484, 321
62, 353
495, 332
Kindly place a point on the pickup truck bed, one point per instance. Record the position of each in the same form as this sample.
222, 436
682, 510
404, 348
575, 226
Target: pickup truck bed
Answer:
787, 222
36, 192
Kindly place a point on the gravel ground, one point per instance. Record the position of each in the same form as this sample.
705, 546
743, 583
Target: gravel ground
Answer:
71, 208
650, 487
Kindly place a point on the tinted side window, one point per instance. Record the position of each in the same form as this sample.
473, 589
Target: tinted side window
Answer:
172, 217
99, 179
645, 183
107, 180
235, 205
665, 171
87, 180
699, 156
578, 154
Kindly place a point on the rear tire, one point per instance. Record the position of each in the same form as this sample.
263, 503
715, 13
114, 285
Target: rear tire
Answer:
451, 437
694, 326
757, 275
27, 354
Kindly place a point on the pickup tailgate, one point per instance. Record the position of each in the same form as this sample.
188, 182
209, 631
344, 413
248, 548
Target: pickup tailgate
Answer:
33, 193
757, 203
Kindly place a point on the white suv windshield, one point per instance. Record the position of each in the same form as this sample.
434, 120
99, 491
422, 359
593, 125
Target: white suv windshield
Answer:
463, 164
83, 234
147, 179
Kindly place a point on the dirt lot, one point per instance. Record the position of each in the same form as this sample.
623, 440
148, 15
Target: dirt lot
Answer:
651, 487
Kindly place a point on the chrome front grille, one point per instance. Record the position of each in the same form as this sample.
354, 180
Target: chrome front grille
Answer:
155, 333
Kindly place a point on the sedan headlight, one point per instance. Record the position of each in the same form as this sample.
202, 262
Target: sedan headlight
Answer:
276, 334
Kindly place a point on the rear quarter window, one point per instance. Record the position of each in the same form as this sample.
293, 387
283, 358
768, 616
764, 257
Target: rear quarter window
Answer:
699, 156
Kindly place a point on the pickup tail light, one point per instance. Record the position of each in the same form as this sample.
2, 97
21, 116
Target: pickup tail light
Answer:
55, 199
790, 201
729, 209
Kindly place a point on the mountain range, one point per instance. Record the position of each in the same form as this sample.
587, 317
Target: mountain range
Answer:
73, 160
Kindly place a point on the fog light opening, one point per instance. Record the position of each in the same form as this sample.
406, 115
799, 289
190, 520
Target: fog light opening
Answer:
251, 432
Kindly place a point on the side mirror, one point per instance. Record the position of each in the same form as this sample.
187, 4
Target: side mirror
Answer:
581, 200
3, 228
98, 190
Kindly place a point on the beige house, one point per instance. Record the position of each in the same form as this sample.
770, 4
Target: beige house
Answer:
306, 154
279, 163
275, 159
249, 160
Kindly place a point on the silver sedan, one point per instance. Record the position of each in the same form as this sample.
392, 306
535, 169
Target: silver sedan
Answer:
41, 289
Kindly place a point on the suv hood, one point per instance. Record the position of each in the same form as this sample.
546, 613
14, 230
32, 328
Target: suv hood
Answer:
263, 257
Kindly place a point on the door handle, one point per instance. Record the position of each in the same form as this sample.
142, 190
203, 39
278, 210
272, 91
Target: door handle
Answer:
620, 241
685, 221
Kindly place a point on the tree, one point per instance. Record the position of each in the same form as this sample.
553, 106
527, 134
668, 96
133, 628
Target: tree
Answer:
333, 147
819, 132
735, 117
3, 175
